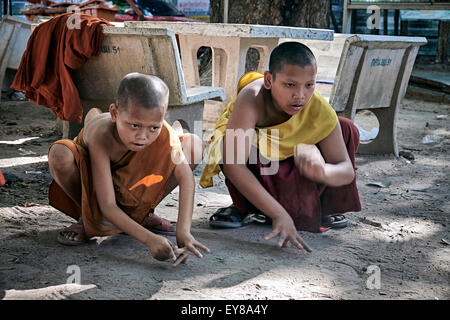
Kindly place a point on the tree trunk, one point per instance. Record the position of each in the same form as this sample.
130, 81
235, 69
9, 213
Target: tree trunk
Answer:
294, 13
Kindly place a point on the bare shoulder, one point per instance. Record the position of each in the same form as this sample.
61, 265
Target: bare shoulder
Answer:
99, 131
247, 106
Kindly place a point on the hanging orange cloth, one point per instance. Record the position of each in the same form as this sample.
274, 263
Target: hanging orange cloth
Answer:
53, 50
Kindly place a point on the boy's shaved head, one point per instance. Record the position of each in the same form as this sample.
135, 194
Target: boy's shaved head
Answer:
293, 53
144, 90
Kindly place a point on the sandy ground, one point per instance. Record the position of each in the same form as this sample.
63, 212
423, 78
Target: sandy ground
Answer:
397, 247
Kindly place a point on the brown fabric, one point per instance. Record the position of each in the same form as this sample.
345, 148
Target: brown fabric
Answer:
52, 51
134, 166
305, 201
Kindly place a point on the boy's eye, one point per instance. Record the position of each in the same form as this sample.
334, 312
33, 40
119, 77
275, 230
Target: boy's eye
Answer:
134, 126
155, 129
290, 85
309, 85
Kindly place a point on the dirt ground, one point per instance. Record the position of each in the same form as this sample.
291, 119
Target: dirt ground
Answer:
397, 247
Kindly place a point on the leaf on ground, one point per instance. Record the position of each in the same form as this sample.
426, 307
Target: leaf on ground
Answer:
6, 268
381, 184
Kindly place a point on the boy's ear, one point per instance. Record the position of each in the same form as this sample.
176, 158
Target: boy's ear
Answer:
268, 80
113, 112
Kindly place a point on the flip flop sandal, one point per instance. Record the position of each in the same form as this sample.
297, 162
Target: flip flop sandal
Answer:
342, 223
76, 228
161, 226
17, 96
228, 217
254, 217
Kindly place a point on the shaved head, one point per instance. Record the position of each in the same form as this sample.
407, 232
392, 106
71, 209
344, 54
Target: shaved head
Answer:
293, 53
147, 91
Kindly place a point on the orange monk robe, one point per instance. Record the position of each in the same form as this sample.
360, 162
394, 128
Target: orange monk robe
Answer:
139, 180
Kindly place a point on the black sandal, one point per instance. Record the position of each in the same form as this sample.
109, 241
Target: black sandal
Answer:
339, 221
230, 217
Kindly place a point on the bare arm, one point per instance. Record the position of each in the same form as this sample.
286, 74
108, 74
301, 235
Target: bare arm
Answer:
237, 140
338, 167
331, 167
186, 182
185, 178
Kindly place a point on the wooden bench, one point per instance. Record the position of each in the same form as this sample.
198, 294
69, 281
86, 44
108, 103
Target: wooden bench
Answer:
372, 74
14, 34
149, 51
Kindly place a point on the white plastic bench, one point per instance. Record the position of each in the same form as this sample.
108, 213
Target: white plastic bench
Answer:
229, 43
149, 51
14, 34
372, 73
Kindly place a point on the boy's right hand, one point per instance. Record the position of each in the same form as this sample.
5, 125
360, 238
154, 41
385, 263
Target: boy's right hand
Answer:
283, 226
161, 248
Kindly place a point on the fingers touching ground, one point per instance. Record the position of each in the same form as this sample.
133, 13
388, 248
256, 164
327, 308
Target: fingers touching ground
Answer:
182, 256
285, 239
183, 253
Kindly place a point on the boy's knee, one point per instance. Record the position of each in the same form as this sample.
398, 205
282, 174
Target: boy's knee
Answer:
60, 159
347, 124
91, 114
193, 148
349, 130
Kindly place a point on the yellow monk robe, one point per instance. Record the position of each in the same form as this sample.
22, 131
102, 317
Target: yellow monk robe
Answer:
310, 125
139, 180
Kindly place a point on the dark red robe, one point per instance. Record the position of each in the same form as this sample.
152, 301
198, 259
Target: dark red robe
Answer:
306, 201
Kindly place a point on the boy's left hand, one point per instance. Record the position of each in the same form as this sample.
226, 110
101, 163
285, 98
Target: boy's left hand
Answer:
187, 243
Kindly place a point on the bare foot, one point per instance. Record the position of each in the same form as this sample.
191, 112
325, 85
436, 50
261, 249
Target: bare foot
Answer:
334, 221
160, 225
72, 235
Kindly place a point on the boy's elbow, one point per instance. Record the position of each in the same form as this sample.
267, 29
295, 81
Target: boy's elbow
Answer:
350, 175
343, 177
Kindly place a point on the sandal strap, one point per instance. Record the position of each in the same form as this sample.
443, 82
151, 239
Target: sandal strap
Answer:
254, 217
325, 218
